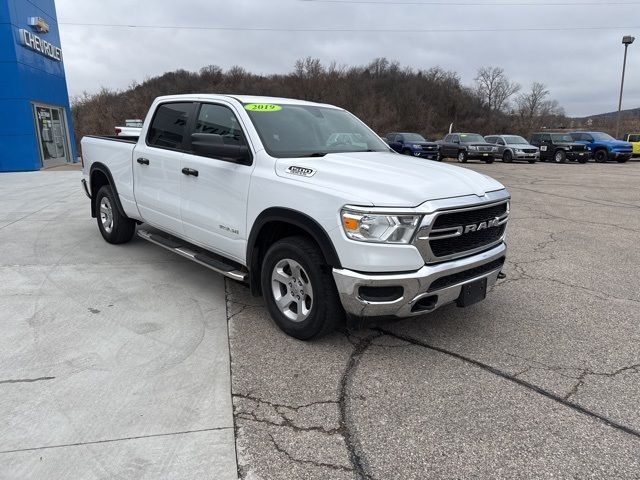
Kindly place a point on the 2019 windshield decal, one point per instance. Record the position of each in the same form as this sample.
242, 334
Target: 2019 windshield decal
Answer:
262, 107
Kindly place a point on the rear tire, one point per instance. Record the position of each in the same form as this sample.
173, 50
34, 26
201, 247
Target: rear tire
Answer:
299, 289
621, 160
114, 227
560, 156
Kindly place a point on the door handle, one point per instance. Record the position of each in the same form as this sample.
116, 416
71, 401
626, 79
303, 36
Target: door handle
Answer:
190, 171
143, 161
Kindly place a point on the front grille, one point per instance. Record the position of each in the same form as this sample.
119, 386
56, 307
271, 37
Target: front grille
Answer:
466, 241
485, 149
578, 148
429, 147
453, 279
529, 150
469, 217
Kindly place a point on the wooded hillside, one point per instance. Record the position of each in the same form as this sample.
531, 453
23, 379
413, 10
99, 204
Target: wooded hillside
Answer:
387, 96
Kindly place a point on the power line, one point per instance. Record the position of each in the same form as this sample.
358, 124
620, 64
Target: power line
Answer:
474, 4
351, 30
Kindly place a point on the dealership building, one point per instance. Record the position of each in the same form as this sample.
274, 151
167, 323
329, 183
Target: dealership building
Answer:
35, 119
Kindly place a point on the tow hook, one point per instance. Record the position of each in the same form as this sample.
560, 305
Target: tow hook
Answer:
502, 275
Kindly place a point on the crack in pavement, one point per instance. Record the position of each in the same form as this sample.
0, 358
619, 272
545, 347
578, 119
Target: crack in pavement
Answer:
512, 378
350, 439
282, 450
27, 380
111, 440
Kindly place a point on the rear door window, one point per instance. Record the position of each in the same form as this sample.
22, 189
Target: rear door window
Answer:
169, 125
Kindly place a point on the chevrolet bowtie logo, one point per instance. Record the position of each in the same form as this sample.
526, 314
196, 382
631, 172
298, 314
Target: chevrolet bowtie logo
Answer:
38, 24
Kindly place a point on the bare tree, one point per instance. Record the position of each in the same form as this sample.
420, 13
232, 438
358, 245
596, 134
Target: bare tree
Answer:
494, 88
530, 105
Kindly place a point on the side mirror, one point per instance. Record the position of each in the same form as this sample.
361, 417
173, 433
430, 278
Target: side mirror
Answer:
212, 145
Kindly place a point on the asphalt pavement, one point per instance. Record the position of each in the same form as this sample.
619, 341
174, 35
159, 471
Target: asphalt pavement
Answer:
540, 380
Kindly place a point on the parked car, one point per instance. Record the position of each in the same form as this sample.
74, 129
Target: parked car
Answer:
514, 147
467, 146
634, 140
559, 147
252, 188
413, 144
604, 147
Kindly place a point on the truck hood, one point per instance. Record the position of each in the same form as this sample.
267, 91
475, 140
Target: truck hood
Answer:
388, 179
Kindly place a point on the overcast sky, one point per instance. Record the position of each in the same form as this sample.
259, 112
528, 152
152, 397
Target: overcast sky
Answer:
581, 68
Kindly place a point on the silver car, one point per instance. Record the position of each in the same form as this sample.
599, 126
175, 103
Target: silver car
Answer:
514, 147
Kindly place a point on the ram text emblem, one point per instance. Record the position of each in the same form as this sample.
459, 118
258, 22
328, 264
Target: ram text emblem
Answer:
476, 227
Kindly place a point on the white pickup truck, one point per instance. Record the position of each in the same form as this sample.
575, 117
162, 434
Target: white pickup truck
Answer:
263, 191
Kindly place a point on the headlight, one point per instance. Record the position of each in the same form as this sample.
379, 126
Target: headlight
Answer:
417, 146
519, 150
473, 147
379, 228
494, 149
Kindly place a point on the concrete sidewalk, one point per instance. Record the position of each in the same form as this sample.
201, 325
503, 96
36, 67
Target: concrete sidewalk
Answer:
114, 360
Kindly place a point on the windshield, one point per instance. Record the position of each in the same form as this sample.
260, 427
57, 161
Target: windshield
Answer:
471, 138
515, 140
413, 137
561, 137
603, 137
289, 131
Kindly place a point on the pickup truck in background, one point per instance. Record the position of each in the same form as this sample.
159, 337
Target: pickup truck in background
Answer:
603, 146
559, 147
467, 146
131, 128
634, 140
413, 144
263, 191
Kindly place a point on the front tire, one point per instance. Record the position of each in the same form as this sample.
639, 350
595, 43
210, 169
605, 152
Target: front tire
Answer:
507, 157
406, 151
299, 290
462, 156
114, 227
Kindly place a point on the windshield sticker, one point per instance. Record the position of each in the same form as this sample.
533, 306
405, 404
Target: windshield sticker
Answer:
262, 107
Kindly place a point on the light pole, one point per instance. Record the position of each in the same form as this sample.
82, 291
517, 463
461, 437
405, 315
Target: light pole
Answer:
626, 41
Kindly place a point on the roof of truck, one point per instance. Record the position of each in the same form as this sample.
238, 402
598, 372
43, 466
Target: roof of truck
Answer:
243, 99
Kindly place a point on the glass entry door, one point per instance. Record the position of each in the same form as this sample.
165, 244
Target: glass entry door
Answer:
52, 135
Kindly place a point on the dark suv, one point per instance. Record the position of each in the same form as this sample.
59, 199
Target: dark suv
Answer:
413, 144
559, 147
467, 146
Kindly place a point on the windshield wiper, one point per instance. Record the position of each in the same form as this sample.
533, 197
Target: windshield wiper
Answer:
316, 154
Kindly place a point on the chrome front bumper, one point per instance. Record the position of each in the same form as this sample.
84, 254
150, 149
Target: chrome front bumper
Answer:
415, 285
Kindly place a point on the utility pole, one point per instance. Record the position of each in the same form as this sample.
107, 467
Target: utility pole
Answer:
626, 41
